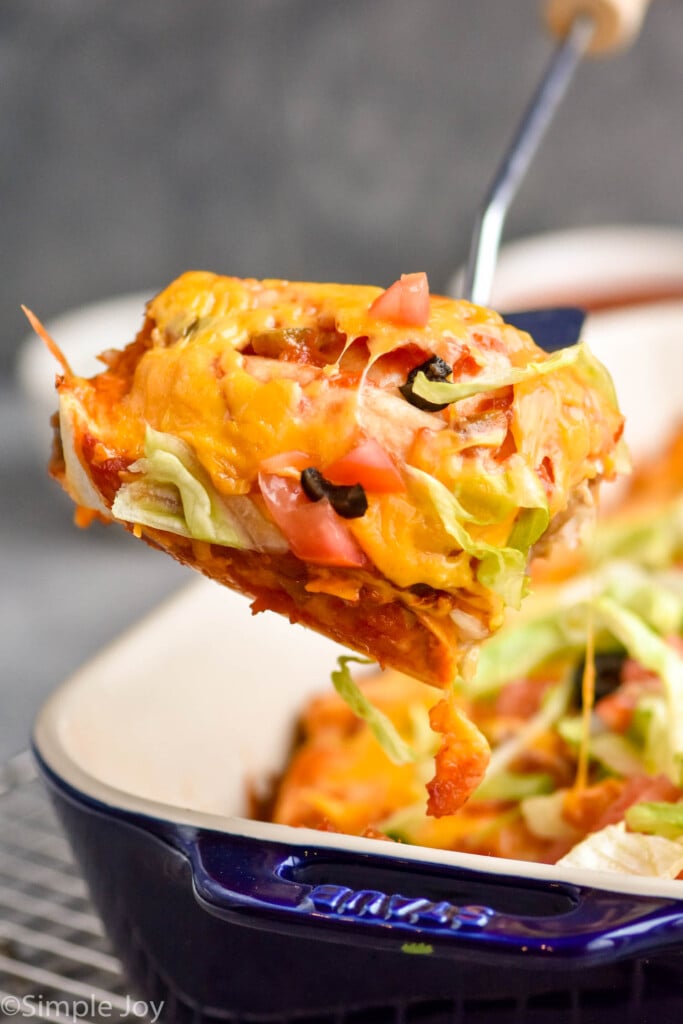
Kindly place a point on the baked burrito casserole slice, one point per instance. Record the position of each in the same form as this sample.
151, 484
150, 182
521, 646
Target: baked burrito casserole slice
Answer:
378, 465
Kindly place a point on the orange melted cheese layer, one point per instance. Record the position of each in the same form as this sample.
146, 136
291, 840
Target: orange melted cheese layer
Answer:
198, 380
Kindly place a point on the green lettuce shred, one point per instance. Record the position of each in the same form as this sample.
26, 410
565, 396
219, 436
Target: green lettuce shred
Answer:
502, 570
442, 392
514, 786
656, 818
174, 493
530, 525
650, 730
646, 594
654, 541
489, 493
655, 654
516, 651
617, 754
560, 622
384, 730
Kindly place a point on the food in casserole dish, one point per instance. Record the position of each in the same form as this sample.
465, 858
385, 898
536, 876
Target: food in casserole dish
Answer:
580, 695
378, 465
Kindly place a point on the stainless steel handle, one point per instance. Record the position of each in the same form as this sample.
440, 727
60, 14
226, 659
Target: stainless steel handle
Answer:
583, 26
488, 226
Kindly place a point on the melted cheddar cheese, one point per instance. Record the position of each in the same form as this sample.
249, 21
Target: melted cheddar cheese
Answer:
200, 378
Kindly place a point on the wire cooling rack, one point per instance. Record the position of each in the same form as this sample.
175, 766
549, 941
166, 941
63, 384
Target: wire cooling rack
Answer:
55, 963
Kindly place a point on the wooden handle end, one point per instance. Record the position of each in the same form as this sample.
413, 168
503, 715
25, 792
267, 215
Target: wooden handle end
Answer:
617, 22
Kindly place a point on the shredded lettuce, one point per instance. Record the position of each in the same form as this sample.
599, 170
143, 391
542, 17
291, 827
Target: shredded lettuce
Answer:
502, 570
170, 470
530, 525
402, 825
570, 728
650, 730
384, 731
654, 541
444, 392
618, 754
516, 650
631, 608
507, 785
151, 503
633, 853
655, 818
649, 596
489, 493
655, 654
174, 492
560, 622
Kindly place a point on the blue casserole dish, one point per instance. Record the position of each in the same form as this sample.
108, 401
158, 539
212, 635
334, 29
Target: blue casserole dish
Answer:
147, 753
226, 917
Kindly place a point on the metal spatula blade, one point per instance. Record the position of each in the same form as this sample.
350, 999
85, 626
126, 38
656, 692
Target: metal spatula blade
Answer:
553, 328
583, 26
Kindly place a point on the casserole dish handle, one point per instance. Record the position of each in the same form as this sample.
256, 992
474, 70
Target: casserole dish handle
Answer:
424, 908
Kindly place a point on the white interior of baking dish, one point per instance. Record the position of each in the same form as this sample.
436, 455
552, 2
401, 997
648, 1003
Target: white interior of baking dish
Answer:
200, 699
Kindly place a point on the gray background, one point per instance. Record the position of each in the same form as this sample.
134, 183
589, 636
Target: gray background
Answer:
288, 138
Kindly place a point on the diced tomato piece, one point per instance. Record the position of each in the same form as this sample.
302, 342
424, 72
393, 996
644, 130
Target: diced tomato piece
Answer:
605, 803
312, 529
635, 675
521, 698
617, 709
368, 465
406, 301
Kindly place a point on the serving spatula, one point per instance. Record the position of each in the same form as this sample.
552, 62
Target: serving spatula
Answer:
583, 27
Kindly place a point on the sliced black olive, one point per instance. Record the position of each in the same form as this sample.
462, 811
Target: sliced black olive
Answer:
350, 502
314, 484
435, 369
608, 666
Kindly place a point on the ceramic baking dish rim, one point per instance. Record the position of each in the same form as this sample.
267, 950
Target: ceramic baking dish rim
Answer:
63, 767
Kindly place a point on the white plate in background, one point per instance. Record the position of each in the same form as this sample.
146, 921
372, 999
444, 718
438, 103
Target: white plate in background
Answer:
642, 347
589, 265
